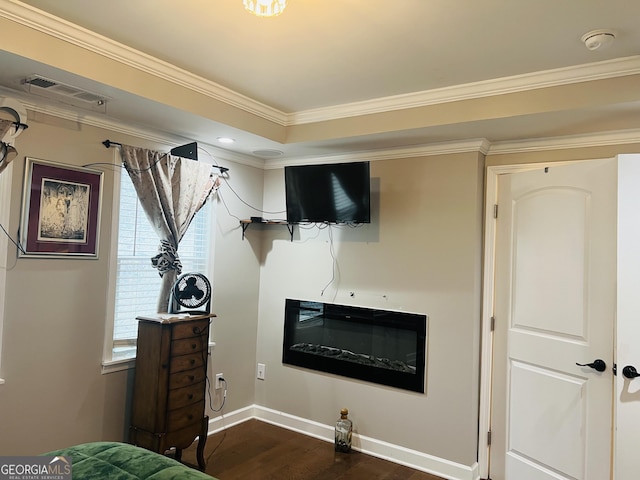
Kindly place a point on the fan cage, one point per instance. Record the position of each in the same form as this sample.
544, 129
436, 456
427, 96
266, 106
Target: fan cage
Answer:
190, 292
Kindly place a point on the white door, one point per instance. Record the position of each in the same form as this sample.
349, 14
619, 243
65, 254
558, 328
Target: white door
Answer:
554, 307
627, 409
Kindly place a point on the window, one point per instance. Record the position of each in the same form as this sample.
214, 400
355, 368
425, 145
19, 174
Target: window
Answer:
136, 285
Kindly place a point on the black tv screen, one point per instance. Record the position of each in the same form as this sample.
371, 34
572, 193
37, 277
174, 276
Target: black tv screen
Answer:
328, 193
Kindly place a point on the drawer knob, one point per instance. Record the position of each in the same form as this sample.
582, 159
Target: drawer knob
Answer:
190, 396
192, 361
191, 377
190, 417
193, 346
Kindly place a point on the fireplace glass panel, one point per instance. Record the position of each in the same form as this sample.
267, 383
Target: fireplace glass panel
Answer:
380, 346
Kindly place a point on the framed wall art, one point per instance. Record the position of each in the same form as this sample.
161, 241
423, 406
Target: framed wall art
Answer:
60, 210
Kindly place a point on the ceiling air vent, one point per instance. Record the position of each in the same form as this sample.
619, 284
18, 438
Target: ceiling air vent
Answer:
41, 82
65, 93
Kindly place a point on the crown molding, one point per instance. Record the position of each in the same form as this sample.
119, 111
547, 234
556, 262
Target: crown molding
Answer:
44, 22
216, 154
483, 146
41, 21
480, 145
499, 86
473, 145
600, 139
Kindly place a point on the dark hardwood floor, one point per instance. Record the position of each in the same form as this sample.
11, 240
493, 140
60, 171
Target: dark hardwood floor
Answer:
255, 450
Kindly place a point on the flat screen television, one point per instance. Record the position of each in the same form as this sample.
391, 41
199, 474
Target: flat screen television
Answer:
328, 193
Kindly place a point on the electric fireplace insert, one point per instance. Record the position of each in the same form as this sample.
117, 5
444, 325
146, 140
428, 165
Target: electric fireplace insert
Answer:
379, 346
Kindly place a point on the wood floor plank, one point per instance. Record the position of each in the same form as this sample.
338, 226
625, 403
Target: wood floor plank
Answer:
256, 450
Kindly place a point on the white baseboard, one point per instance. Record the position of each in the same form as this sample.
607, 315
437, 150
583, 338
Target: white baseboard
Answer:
377, 448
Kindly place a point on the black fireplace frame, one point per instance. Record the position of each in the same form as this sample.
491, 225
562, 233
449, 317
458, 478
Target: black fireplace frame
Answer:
398, 320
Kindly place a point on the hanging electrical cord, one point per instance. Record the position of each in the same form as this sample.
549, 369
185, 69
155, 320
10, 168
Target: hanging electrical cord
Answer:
146, 169
251, 206
226, 207
224, 400
226, 180
334, 263
12, 240
103, 164
224, 395
223, 171
215, 449
115, 167
18, 246
223, 176
109, 144
214, 160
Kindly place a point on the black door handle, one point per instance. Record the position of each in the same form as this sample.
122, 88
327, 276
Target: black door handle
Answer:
630, 372
598, 365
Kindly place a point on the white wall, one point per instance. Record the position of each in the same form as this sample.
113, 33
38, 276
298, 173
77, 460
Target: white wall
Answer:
54, 393
421, 253
235, 289
54, 311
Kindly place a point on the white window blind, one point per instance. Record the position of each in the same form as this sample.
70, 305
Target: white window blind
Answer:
137, 283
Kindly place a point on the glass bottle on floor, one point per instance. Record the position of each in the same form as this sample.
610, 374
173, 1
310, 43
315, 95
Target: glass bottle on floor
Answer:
344, 428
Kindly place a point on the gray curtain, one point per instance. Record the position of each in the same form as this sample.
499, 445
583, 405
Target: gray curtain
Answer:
7, 152
171, 191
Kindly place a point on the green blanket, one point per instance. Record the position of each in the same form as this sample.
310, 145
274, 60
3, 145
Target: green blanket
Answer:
121, 461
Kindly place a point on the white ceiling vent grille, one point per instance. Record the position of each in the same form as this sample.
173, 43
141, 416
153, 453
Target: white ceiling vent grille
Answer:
64, 93
41, 82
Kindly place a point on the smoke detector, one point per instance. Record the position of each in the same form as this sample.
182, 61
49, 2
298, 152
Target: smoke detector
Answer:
598, 39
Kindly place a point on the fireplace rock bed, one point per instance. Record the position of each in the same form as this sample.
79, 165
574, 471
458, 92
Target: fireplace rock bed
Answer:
348, 356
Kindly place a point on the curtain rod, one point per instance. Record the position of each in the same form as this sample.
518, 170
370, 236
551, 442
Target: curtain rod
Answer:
108, 144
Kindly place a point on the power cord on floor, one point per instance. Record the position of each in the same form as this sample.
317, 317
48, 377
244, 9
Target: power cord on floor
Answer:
224, 430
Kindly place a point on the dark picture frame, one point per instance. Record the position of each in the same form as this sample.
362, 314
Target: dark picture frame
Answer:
61, 207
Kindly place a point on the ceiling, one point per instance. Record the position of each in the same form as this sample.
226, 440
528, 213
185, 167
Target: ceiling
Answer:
331, 77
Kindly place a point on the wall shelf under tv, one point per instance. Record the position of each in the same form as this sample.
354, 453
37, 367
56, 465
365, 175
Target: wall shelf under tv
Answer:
245, 224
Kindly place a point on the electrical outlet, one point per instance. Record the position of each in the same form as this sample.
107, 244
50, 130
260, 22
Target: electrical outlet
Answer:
219, 378
261, 370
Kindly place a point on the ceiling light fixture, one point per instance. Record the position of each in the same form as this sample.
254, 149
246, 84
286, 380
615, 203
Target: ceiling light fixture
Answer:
265, 8
226, 140
598, 39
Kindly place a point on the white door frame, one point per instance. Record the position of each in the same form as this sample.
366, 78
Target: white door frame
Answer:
486, 361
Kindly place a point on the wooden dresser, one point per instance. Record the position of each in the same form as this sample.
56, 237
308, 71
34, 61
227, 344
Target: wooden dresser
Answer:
168, 408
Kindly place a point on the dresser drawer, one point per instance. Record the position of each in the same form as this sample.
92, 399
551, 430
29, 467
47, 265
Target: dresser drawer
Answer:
181, 397
187, 362
181, 417
190, 329
189, 345
186, 378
